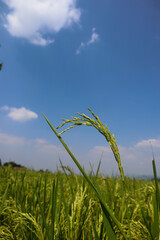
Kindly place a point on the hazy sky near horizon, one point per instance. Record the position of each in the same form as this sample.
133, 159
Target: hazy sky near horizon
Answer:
63, 56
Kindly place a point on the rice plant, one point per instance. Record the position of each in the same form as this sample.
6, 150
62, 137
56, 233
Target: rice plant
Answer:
115, 226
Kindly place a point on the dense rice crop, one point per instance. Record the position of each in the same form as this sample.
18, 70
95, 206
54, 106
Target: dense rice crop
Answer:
43, 205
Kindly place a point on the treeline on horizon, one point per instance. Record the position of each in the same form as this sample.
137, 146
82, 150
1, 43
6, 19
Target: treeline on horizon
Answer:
12, 164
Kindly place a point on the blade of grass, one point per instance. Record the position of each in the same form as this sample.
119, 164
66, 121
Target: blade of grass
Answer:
64, 202
155, 227
42, 213
156, 184
54, 204
67, 178
3, 199
99, 164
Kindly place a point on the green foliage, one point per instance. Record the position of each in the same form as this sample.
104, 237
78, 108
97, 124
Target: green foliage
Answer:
59, 206
108, 215
122, 215
65, 206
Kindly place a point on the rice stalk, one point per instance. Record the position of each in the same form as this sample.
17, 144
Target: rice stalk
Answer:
108, 214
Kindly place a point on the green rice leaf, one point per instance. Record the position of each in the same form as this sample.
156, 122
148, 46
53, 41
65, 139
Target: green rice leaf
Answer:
3, 199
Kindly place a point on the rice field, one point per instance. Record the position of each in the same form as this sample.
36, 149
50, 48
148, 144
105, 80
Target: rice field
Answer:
63, 205
43, 205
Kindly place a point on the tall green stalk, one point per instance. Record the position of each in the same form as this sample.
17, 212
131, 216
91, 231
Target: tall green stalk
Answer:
108, 214
156, 202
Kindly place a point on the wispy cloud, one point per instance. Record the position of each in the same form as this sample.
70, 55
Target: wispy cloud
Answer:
94, 38
32, 19
20, 114
148, 143
11, 140
39, 144
40, 153
44, 146
36, 153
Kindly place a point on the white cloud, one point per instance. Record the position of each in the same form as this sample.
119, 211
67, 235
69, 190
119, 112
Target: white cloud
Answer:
100, 149
32, 19
32, 153
20, 114
40, 153
39, 144
155, 143
40, 141
45, 147
11, 140
5, 108
94, 38
80, 47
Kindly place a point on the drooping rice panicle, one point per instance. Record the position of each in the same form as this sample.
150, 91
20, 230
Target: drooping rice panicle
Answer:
103, 129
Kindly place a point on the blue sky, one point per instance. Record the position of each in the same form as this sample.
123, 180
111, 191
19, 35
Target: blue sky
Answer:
60, 57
